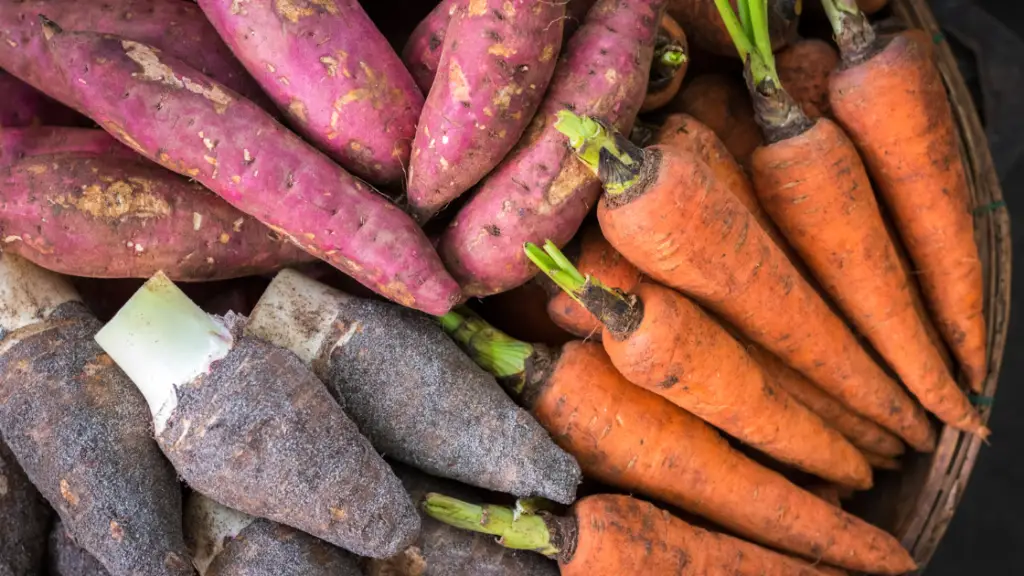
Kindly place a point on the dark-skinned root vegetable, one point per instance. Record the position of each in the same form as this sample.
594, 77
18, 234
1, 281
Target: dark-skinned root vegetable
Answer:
442, 550
538, 192
611, 535
26, 106
706, 31
178, 28
412, 391
636, 441
671, 59
204, 131
67, 558
497, 60
20, 143
101, 216
333, 75
713, 250
239, 419
79, 429
25, 517
226, 542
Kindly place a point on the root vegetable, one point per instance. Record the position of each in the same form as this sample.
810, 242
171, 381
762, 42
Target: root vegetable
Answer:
25, 106
26, 517
671, 56
67, 558
19, 143
422, 51
720, 102
804, 68
240, 419
707, 32
411, 390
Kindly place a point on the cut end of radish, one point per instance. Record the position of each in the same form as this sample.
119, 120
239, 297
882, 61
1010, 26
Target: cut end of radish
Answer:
28, 293
162, 340
209, 526
297, 313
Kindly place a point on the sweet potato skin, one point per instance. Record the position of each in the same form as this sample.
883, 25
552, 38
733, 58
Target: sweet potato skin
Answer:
106, 217
25, 516
422, 51
260, 434
541, 190
265, 548
81, 431
332, 73
19, 143
177, 27
67, 558
202, 130
25, 106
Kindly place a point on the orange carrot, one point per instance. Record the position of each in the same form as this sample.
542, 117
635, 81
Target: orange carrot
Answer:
871, 6
594, 255
710, 247
863, 433
663, 342
890, 98
720, 103
882, 462
523, 313
803, 69
612, 535
671, 57
704, 25
627, 437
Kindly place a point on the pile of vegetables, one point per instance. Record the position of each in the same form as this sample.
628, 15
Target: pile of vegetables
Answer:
503, 287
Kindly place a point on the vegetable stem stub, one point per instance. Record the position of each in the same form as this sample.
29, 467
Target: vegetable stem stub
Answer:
525, 532
611, 156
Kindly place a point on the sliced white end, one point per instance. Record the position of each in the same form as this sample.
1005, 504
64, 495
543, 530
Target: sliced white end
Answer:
209, 525
162, 340
297, 313
28, 293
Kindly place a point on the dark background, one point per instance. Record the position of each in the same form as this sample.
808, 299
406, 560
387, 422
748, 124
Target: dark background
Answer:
988, 527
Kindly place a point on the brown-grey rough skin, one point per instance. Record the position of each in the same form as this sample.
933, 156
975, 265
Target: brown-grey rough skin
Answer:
172, 25
67, 558
422, 51
24, 517
260, 434
541, 190
19, 143
334, 75
441, 550
174, 115
105, 217
81, 431
422, 401
497, 60
265, 548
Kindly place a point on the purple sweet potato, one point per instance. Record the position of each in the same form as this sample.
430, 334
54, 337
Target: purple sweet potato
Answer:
19, 143
332, 73
497, 60
67, 558
575, 14
541, 191
108, 217
24, 517
422, 51
174, 115
177, 27
23, 105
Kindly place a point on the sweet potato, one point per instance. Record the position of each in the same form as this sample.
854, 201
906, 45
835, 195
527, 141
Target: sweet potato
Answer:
497, 60
105, 217
332, 73
67, 558
237, 150
412, 391
25, 106
176, 27
422, 51
19, 143
540, 191
25, 517
248, 425
441, 550
80, 430
707, 31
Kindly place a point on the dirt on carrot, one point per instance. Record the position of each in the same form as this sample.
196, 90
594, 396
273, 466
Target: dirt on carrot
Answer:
721, 103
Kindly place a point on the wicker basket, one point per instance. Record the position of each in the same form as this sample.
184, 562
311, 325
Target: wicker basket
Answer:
918, 504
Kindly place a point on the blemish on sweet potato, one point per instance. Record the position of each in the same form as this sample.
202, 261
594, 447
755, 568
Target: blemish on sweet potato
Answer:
156, 71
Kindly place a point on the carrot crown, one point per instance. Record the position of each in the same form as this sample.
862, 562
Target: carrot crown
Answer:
619, 312
851, 28
612, 157
493, 350
749, 32
522, 531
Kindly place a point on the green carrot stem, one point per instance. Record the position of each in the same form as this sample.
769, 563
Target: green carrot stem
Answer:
672, 56
743, 10
753, 47
493, 350
612, 157
527, 532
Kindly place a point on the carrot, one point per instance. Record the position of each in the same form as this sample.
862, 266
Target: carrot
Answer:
890, 99
671, 56
662, 341
709, 247
803, 69
720, 102
594, 255
863, 433
611, 535
708, 33
810, 179
632, 439
524, 313
871, 6
882, 462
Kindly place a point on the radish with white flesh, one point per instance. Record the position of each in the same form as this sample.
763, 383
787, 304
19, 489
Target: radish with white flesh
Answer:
226, 542
247, 424
79, 428
174, 115
412, 391
25, 515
